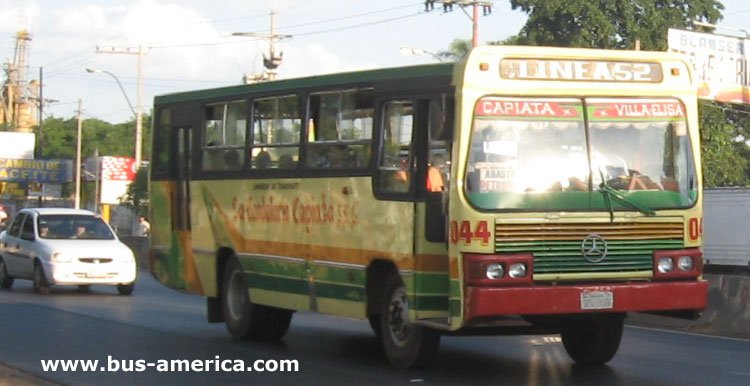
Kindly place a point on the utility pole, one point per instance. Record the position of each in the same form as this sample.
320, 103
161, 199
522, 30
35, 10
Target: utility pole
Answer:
273, 60
78, 157
429, 5
138, 115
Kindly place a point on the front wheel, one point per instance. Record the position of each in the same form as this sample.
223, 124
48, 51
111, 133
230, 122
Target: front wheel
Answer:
40, 280
244, 319
125, 289
593, 340
6, 281
406, 345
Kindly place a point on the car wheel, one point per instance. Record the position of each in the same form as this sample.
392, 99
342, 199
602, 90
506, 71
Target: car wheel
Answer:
593, 340
125, 289
5, 280
40, 281
406, 345
243, 319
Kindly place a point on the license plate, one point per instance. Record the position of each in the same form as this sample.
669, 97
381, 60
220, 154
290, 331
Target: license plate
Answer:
597, 300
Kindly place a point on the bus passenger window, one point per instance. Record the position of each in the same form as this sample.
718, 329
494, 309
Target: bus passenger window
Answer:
224, 136
396, 161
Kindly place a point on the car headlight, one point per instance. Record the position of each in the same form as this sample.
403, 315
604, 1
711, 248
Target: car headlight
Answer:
665, 265
59, 257
495, 271
128, 258
685, 263
517, 270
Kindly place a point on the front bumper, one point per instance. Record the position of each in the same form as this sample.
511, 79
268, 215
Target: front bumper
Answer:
568, 299
77, 273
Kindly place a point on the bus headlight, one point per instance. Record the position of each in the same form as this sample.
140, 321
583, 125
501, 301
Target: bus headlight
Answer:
517, 270
665, 264
495, 271
685, 263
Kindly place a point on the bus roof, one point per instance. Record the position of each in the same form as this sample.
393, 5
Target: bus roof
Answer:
347, 78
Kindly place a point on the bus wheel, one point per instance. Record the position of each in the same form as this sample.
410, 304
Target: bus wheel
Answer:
280, 319
243, 319
593, 340
406, 345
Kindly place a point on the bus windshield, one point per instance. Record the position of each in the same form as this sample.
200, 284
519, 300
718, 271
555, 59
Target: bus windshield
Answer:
570, 154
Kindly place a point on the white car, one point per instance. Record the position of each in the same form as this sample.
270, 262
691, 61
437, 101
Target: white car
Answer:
59, 246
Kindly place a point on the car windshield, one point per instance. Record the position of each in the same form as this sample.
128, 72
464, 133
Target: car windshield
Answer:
599, 154
70, 227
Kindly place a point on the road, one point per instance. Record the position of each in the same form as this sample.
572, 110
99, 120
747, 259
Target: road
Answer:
158, 323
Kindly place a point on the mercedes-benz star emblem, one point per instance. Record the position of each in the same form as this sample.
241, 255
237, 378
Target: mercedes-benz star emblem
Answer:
594, 248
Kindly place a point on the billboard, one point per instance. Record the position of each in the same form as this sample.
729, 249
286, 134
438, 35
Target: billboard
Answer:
720, 63
30, 170
116, 174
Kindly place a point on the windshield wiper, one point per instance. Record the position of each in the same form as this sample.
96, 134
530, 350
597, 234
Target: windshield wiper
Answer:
610, 192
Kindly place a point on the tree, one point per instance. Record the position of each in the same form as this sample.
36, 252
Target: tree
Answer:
136, 196
609, 23
456, 50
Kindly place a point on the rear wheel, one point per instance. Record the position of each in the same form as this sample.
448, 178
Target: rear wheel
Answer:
593, 340
406, 345
40, 280
244, 319
5, 280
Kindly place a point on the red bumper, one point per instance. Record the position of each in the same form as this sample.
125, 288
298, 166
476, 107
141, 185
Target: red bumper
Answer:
566, 299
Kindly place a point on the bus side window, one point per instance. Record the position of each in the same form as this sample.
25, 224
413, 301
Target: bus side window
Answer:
396, 169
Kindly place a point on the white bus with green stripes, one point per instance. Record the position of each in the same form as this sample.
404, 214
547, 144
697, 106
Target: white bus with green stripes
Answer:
523, 190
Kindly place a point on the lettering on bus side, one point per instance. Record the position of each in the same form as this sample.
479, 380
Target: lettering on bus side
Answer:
463, 231
581, 70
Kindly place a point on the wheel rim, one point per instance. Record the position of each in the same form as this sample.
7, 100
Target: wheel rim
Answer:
235, 295
398, 318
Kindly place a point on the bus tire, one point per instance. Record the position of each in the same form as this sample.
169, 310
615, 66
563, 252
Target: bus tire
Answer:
280, 319
593, 340
243, 319
406, 345
374, 320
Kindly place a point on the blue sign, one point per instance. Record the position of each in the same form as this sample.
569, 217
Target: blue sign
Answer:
41, 171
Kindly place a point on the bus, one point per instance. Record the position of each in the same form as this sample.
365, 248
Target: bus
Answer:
522, 190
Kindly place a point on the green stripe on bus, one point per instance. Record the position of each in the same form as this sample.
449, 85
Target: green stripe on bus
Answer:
274, 266
344, 275
340, 292
277, 283
431, 283
455, 307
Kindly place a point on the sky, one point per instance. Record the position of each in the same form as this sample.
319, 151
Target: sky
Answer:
188, 44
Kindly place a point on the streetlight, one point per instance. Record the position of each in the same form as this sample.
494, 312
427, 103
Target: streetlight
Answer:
412, 51
138, 124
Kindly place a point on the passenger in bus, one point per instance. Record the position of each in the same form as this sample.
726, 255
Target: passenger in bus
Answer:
435, 182
287, 162
263, 160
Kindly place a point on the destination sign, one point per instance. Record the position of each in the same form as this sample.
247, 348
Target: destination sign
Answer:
524, 108
581, 70
639, 110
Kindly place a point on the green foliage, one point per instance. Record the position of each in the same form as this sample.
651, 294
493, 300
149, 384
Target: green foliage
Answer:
609, 23
724, 131
58, 140
136, 197
456, 50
